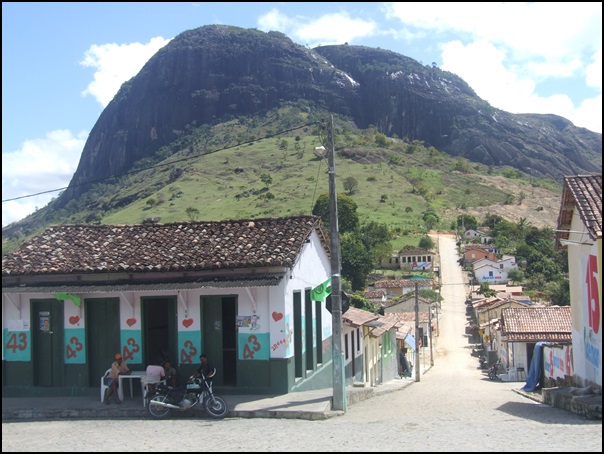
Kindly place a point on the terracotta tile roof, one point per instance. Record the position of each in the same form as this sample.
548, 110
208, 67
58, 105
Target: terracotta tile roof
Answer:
375, 294
583, 193
387, 323
497, 303
409, 317
533, 324
403, 327
485, 302
358, 317
407, 297
401, 283
185, 246
416, 251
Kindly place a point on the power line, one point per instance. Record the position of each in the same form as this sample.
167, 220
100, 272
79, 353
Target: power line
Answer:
160, 165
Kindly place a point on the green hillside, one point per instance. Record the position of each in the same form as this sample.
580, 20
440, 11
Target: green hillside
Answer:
267, 167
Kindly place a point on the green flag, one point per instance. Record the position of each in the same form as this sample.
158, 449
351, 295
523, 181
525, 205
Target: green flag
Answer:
321, 291
67, 296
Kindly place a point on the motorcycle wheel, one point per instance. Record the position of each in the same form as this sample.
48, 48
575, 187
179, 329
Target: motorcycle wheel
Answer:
492, 374
157, 411
215, 406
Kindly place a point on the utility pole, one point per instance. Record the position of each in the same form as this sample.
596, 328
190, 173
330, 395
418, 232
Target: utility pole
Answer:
430, 330
339, 384
417, 340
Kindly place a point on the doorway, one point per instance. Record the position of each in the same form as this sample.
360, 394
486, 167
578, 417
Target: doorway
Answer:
219, 315
160, 335
47, 342
102, 335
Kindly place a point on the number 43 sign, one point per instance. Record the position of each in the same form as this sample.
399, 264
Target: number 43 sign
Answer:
254, 346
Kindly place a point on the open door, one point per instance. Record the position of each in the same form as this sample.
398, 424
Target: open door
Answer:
219, 315
160, 334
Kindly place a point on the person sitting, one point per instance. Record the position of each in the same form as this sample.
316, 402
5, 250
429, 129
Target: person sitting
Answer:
118, 368
155, 373
171, 375
206, 367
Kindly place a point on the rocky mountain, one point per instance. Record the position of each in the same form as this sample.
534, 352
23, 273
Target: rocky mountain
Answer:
211, 74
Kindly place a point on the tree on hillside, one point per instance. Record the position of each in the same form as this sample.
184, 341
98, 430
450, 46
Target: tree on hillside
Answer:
357, 262
266, 179
351, 185
466, 221
430, 218
192, 213
426, 242
348, 219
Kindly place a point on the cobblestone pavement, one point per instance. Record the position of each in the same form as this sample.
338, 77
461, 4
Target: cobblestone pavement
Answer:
453, 407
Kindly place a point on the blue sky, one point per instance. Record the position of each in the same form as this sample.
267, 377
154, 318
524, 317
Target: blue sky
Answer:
63, 62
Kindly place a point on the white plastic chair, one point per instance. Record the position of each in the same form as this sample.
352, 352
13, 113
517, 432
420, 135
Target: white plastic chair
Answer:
145, 381
103, 385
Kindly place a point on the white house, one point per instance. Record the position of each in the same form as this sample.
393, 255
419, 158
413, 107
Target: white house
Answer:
76, 294
492, 274
580, 231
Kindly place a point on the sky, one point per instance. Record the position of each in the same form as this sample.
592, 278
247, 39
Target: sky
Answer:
62, 63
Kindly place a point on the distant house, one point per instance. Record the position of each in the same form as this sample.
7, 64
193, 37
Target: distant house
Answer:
395, 287
417, 259
484, 235
369, 347
474, 252
377, 297
488, 313
579, 230
407, 304
523, 327
490, 273
76, 294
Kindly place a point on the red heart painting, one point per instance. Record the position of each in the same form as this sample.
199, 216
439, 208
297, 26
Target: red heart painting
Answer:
131, 321
74, 319
277, 316
187, 322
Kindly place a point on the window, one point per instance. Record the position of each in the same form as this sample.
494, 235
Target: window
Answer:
346, 346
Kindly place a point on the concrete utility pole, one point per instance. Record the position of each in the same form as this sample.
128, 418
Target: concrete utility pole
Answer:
339, 383
430, 331
417, 341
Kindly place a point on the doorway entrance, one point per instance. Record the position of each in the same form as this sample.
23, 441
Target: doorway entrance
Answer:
219, 315
102, 335
47, 339
160, 335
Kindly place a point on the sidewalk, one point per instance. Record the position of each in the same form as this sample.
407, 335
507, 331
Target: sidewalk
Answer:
311, 405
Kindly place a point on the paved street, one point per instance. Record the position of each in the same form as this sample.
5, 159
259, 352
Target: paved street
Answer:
454, 407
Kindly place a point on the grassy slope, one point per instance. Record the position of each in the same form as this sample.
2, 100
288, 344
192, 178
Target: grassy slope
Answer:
394, 186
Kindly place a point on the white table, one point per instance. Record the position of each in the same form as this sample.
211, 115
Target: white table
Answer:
136, 374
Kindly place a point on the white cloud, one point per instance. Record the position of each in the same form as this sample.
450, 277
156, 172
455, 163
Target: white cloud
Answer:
115, 64
337, 28
49, 163
40, 165
506, 50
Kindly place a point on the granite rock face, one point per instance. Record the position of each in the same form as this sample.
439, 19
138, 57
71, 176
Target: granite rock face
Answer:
217, 72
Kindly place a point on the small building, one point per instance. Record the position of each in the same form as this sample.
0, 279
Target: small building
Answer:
76, 294
416, 259
523, 327
474, 252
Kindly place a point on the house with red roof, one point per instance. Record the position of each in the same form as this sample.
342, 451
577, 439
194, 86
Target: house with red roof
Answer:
75, 295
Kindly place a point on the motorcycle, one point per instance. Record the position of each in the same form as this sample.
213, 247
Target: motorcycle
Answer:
164, 399
494, 371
